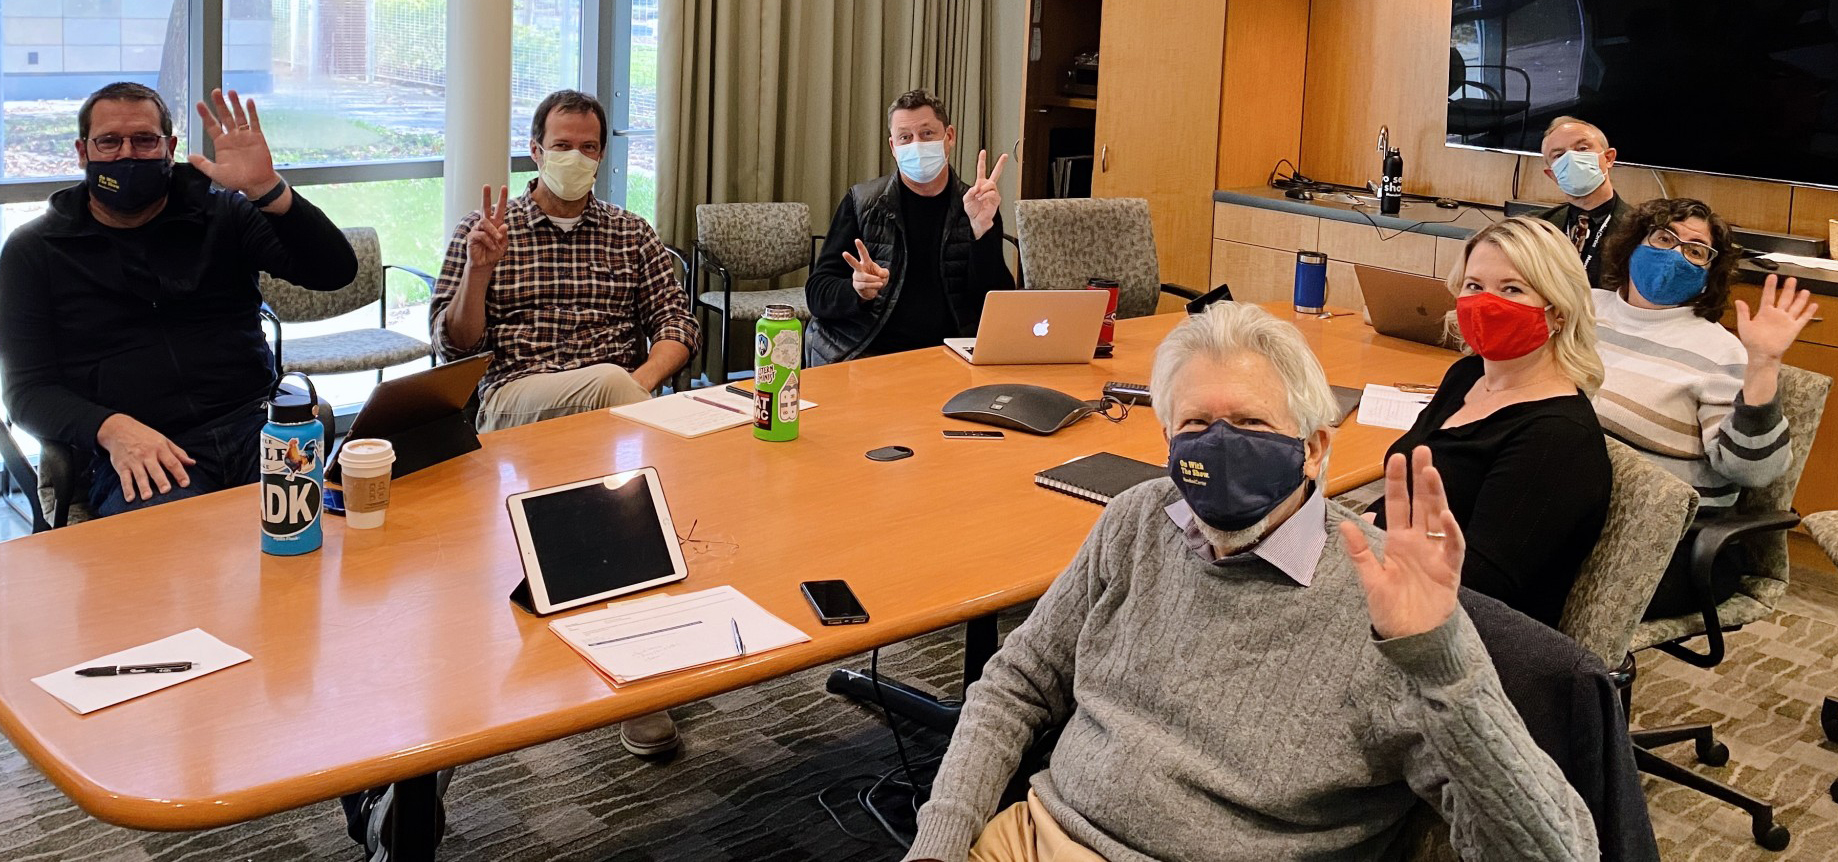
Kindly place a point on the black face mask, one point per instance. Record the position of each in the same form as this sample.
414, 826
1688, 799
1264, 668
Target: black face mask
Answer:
128, 185
1232, 477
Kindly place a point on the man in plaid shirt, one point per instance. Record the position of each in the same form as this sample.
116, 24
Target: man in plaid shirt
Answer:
575, 299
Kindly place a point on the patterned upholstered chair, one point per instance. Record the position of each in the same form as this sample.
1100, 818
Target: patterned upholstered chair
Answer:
355, 350
1648, 512
1824, 529
1068, 241
1760, 519
749, 242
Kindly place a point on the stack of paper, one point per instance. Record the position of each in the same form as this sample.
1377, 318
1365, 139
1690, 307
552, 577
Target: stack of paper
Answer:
86, 694
1390, 407
695, 412
640, 638
1800, 260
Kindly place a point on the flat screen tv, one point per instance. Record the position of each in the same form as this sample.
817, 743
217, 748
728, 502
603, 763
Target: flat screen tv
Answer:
1745, 88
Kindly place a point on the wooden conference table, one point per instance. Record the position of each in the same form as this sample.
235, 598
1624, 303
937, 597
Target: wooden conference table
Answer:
393, 652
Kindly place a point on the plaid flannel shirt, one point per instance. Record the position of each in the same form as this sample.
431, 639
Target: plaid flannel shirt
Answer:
560, 301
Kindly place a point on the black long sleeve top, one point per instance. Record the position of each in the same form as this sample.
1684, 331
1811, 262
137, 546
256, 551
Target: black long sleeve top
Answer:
159, 322
1529, 485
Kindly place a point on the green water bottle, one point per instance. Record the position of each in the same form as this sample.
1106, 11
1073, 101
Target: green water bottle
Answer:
778, 356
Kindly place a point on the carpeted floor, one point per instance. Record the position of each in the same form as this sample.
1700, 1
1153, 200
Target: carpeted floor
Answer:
745, 786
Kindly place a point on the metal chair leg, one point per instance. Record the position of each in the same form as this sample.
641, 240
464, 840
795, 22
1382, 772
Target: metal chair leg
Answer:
1767, 833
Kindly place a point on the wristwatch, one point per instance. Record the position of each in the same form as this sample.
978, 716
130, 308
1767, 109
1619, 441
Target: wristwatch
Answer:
273, 195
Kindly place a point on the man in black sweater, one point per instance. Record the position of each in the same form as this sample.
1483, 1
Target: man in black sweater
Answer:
128, 311
921, 262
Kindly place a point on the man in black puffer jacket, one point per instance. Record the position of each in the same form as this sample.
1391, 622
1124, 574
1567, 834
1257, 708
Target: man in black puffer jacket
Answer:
905, 265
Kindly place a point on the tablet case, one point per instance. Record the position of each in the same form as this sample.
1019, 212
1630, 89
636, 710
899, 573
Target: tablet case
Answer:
423, 415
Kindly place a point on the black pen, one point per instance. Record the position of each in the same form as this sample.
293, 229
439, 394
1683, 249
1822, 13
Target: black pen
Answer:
117, 670
739, 391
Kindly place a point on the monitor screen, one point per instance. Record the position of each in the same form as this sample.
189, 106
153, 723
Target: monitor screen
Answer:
592, 539
1746, 89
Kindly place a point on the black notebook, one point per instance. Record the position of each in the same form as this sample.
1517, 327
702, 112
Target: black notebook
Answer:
1098, 478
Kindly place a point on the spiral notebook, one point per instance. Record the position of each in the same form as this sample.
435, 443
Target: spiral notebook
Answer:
1098, 478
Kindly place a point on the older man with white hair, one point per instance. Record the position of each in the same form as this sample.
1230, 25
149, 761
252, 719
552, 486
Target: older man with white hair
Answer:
1243, 669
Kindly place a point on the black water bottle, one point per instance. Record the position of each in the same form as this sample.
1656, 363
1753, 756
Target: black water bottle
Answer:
1391, 192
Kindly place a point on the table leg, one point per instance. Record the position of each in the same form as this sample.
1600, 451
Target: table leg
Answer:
911, 703
416, 821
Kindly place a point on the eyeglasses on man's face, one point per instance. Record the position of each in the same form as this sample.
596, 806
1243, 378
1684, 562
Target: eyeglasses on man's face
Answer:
145, 144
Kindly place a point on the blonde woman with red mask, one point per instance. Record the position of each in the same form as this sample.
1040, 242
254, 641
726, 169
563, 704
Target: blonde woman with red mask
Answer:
1511, 426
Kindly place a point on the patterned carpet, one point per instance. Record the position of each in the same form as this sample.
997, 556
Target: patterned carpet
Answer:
746, 785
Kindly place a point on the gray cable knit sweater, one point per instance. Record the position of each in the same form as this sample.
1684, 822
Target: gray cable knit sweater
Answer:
1225, 712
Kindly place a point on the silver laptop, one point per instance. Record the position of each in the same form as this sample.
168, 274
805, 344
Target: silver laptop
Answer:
1035, 327
1405, 305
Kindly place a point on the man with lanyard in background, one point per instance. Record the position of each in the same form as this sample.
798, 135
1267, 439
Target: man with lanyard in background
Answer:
1578, 158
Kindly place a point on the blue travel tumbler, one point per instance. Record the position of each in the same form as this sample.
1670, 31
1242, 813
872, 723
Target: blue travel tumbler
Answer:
1311, 282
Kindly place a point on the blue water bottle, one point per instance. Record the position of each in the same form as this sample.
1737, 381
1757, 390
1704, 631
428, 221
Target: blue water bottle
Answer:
1311, 282
293, 471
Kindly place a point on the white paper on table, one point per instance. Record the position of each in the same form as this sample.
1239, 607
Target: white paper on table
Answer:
695, 412
86, 694
1798, 260
1390, 407
638, 638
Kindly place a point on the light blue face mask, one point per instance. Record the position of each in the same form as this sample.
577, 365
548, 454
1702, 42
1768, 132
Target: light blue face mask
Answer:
1578, 173
921, 161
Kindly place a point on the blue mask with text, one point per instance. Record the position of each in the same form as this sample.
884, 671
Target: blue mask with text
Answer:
1232, 477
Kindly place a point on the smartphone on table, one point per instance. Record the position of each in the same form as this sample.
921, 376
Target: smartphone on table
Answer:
834, 602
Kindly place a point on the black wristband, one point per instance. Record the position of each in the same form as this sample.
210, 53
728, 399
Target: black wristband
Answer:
273, 195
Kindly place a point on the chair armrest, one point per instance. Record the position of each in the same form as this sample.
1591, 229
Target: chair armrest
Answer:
1180, 291
269, 315
414, 272
383, 301
61, 464
682, 260
19, 471
1708, 537
707, 258
816, 247
1020, 279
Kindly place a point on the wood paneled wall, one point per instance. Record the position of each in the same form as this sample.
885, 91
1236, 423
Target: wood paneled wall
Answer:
1260, 109
1373, 62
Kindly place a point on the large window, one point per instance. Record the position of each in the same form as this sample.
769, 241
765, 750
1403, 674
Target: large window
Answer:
352, 96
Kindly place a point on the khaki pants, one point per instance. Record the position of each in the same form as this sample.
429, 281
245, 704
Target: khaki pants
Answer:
1025, 832
562, 393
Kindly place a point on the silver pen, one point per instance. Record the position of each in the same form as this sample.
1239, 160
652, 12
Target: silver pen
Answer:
740, 647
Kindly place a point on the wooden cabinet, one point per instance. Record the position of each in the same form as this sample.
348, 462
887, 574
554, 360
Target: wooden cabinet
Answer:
1155, 122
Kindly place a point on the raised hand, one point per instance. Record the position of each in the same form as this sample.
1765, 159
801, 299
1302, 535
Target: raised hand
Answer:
243, 162
1777, 321
1412, 590
983, 199
488, 239
870, 278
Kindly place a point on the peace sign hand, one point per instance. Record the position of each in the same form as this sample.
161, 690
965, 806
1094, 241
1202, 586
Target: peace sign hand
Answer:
1413, 589
1777, 320
983, 199
870, 278
488, 239
243, 162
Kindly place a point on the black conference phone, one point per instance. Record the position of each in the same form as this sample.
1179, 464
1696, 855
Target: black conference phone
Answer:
1033, 409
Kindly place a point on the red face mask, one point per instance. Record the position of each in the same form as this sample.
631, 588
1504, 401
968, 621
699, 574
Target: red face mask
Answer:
1498, 328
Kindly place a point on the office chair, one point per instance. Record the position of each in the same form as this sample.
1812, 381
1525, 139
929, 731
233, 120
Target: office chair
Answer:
1066, 242
1485, 118
1824, 529
16, 473
371, 349
749, 242
1759, 519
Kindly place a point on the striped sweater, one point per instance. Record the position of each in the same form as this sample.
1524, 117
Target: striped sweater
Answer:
1674, 391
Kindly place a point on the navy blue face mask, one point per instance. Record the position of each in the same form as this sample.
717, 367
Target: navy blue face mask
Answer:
128, 185
1232, 477
1664, 276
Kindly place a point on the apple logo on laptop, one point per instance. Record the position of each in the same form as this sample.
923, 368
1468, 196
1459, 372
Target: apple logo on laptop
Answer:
1040, 329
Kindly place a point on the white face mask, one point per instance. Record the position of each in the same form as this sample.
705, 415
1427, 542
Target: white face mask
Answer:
921, 161
1578, 173
568, 174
